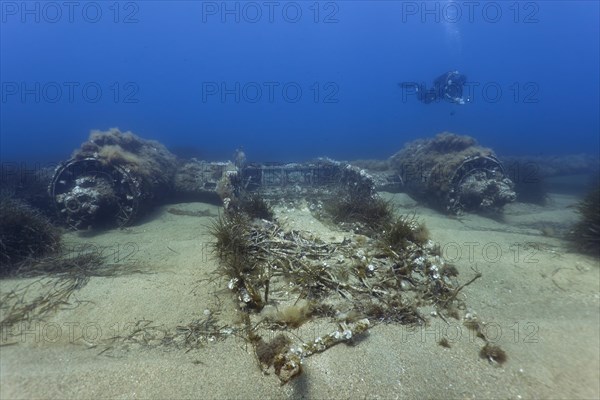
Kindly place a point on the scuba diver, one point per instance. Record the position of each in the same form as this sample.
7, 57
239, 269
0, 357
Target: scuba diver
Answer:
448, 86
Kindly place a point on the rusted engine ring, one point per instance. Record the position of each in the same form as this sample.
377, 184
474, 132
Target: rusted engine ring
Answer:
88, 193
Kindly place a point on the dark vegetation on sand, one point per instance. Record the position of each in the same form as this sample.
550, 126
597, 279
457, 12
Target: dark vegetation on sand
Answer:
586, 233
25, 234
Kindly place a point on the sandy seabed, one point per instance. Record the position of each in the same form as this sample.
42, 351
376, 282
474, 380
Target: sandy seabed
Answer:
539, 300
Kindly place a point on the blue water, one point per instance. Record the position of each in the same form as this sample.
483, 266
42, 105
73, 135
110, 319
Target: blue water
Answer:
200, 75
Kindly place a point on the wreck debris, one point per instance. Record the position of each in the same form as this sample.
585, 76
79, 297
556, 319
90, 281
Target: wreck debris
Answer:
358, 282
454, 173
111, 180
